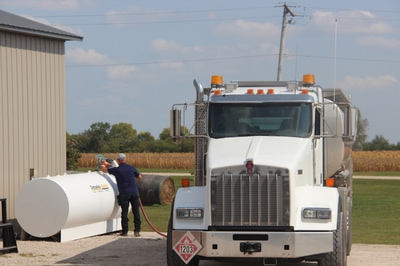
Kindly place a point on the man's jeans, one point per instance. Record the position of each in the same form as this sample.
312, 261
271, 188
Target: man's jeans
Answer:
133, 199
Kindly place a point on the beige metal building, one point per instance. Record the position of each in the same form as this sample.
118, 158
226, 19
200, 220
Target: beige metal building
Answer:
32, 103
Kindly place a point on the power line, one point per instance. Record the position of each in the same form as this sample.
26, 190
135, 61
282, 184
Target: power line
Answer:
175, 61
159, 12
239, 57
345, 9
203, 19
201, 11
166, 21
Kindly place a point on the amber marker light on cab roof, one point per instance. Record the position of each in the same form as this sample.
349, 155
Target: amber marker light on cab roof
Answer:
216, 81
270, 91
217, 92
308, 79
250, 91
260, 91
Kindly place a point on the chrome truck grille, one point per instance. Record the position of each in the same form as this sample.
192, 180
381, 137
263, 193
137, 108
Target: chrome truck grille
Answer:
255, 200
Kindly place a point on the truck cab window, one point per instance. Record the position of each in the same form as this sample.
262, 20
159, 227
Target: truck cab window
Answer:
252, 119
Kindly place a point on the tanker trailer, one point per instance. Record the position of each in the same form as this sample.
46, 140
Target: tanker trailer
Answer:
74, 206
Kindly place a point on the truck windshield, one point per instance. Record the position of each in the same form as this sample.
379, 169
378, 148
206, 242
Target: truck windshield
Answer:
259, 119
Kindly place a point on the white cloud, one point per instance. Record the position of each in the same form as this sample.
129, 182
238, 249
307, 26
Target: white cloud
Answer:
135, 15
161, 45
381, 81
174, 65
241, 28
167, 46
324, 20
89, 57
270, 48
350, 22
121, 71
49, 4
379, 42
377, 28
367, 14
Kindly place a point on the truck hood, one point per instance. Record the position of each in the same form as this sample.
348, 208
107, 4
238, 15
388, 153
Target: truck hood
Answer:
283, 152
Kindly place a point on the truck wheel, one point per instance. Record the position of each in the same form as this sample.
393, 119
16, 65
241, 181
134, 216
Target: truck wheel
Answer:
339, 255
172, 258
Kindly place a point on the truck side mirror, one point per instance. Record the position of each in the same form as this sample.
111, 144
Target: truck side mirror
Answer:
175, 124
354, 122
351, 117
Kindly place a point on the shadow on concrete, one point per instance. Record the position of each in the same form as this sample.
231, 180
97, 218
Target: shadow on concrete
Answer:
123, 251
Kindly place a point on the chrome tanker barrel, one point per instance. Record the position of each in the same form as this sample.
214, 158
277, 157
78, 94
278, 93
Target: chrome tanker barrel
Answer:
333, 131
76, 206
340, 130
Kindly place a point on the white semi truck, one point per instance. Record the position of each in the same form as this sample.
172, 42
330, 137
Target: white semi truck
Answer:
273, 175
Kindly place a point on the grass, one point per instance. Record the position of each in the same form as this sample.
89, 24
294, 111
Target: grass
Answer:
392, 173
376, 212
158, 216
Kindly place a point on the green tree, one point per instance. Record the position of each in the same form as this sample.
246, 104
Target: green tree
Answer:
98, 137
122, 138
166, 143
379, 143
362, 125
145, 136
187, 144
164, 135
146, 142
83, 140
73, 153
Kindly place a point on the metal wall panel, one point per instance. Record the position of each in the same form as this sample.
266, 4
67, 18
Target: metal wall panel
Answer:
32, 118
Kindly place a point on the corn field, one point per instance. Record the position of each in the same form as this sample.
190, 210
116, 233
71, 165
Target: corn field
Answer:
364, 161
145, 160
376, 161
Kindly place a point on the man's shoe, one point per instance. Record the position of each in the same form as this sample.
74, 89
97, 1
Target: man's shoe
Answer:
124, 234
137, 234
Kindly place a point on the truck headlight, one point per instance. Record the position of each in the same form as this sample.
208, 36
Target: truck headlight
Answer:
317, 213
189, 213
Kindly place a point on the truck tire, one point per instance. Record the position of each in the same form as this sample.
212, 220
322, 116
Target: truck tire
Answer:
172, 258
339, 255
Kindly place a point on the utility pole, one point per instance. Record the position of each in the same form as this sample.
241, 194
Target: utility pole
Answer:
286, 10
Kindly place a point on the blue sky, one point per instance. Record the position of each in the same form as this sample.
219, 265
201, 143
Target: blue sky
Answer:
138, 58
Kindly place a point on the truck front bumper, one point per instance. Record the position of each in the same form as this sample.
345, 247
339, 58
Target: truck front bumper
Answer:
259, 244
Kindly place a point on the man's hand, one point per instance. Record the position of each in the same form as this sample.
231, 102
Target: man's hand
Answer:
104, 168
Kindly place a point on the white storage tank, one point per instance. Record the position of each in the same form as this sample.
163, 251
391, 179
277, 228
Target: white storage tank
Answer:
76, 206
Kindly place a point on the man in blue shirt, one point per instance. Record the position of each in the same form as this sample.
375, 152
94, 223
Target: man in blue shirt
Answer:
126, 175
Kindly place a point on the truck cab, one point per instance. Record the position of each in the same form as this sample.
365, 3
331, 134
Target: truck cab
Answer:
273, 174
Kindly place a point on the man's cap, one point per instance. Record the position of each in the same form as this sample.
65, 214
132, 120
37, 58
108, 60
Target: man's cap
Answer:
121, 156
